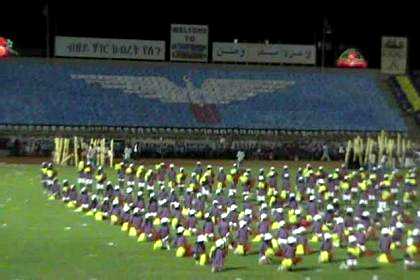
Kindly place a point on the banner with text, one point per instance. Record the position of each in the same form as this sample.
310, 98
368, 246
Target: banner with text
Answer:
109, 48
264, 53
189, 42
394, 55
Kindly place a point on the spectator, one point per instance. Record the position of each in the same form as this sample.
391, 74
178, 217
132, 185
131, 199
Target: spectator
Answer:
240, 156
325, 153
127, 153
91, 155
341, 152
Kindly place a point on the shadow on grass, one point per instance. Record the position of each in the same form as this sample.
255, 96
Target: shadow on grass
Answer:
234, 268
372, 267
337, 260
305, 268
415, 268
313, 252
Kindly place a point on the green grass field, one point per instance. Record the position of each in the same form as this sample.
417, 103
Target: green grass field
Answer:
42, 239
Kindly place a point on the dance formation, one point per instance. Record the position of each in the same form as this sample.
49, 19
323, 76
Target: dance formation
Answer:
211, 211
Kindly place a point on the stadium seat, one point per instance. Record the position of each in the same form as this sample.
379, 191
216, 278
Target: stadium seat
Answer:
83, 93
410, 92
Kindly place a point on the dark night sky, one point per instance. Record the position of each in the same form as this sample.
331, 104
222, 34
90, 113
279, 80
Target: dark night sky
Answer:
353, 24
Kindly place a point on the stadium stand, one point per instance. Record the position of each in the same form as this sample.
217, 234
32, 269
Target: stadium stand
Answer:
410, 91
416, 82
399, 95
76, 93
415, 77
406, 92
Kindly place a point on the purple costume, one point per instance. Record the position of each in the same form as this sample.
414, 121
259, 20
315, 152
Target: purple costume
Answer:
164, 212
359, 210
348, 221
312, 208
216, 212
365, 222
301, 187
264, 246
282, 233
105, 207
293, 203
153, 207
55, 188
198, 170
140, 204
148, 226
317, 227
73, 194
242, 235
230, 201
171, 175
176, 213
128, 198
164, 231
221, 177
263, 227
385, 244
278, 216
116, 211
247, 188
272, 181
208, 227
163, 195
233, 217
326, 245
218, 258
301, 239
188, 200
84, 198
261, 191
109, 192
361, 238
339, 229
289, 252
198, 205
180, 241
93, 204
286, 184
173, 197
199, 249
125, 217
223, 228
397, 235
191, 222
221, 200
248, 219
136, 221
328, 217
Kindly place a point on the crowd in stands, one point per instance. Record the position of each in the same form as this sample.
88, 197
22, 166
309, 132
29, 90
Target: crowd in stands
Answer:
222, 149
416, 82
170, 96
193, 148
406, 92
